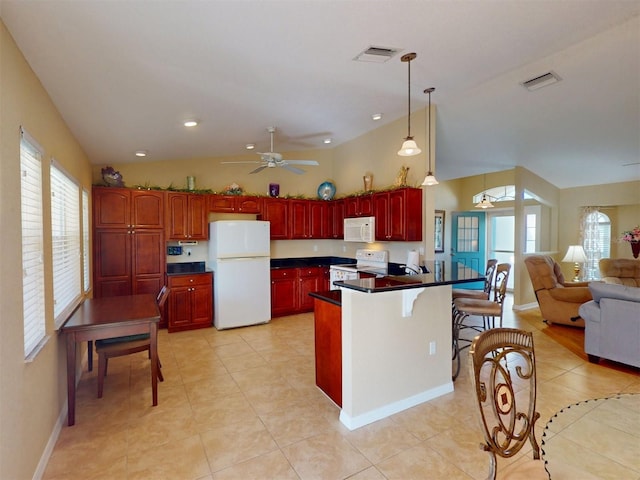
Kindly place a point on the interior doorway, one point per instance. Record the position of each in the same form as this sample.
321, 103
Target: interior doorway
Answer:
501, 239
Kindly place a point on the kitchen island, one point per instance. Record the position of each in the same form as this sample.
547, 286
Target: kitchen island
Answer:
396, 339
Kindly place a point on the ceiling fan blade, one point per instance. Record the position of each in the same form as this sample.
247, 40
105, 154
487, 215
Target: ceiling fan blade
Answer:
302, 162
244, 161
259, 169
293, 169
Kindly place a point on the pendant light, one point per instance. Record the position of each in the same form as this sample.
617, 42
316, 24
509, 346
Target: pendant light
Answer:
430, 179
484, 202
409, 146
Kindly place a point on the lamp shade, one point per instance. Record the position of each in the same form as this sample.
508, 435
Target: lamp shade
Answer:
430, 180
409, 148
484, 203
575, 254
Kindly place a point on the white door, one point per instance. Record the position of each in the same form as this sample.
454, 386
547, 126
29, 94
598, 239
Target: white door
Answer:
242, 292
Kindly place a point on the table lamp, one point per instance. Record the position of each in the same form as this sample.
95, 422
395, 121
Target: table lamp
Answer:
575, 254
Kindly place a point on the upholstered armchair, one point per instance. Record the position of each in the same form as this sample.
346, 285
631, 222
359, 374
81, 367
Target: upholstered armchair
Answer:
559, 301
620, 271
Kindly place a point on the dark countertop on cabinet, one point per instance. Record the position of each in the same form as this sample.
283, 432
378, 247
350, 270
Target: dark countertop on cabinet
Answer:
441, 273
301, 262
310, 262
331, 296
187, 268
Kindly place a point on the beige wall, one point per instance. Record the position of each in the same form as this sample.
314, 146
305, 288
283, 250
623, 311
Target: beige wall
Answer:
32, 394
620, 201
345, 165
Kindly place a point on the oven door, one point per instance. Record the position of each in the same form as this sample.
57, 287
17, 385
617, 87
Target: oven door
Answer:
337, 274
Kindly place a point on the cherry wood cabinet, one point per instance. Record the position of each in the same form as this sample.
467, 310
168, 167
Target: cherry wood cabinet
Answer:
276, 211
398, 215
186, 216
290, 288
284, 282
129, 244
336, 219
319, 226
190, 303
361, 206
309, 219
126, 208
234, 204
328, 348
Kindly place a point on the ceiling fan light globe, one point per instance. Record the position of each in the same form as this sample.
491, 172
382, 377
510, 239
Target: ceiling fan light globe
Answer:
409, 148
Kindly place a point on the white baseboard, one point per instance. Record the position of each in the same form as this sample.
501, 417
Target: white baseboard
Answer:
383, 412
57, 428
526, 306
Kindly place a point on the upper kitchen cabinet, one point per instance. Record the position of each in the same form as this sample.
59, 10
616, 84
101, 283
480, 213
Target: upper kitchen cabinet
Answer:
309, 219
234, 204
127, 208
276, 211
336, 219
360, 206
186, 216
399, 215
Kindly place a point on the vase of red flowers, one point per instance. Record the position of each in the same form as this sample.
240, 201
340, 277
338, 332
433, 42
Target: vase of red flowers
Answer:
633, 237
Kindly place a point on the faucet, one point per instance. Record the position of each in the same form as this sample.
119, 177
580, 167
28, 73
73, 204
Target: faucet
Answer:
410, 271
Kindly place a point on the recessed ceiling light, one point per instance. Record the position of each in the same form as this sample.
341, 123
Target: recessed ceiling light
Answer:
250, 146
141, 153
190, 123
327, 140
376, 116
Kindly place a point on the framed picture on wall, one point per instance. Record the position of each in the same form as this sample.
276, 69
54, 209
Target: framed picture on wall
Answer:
438, 231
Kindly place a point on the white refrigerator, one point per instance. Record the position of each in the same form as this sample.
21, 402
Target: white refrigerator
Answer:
239, 255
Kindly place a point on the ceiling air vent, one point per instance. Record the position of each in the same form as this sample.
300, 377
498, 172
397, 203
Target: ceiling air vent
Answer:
541, 81
376, 54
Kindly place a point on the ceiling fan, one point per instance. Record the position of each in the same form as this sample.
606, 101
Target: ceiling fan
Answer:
273, 159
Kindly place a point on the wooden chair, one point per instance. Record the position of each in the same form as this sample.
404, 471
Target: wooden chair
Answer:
483, 294
119, 346
488, 309
501, 361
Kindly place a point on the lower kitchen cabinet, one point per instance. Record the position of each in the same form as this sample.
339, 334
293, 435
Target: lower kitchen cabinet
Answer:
290, 288
190, 304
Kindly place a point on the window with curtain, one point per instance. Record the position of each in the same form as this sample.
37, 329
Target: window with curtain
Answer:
86, 248
32, 244
596, 240
66, 240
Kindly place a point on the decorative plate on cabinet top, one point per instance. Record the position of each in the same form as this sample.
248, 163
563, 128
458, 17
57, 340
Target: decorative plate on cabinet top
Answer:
326, 190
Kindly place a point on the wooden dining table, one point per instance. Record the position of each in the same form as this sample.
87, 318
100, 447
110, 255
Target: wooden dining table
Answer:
109, 317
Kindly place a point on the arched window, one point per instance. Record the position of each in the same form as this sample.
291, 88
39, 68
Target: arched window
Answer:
596, 240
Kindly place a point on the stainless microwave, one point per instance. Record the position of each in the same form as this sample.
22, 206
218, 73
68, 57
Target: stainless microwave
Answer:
360, 229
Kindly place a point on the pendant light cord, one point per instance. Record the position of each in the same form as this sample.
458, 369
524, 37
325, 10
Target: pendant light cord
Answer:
409, 102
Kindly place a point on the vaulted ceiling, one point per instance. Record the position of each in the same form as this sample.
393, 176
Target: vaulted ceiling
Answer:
126, 74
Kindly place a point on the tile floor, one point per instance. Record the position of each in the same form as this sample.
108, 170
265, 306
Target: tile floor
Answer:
242, 404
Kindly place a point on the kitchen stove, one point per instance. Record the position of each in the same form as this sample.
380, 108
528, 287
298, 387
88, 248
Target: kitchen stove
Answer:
374, 262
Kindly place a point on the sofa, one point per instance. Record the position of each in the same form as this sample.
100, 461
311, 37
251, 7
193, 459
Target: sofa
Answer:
620, 271
612, 323
559, 301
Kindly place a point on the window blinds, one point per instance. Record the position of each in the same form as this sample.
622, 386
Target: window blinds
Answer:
86, 248
32, 243
65, 240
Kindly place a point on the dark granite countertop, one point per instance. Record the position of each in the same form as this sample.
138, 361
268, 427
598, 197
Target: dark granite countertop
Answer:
331, 296
310, 262
393, 268
441, 273
186, 268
